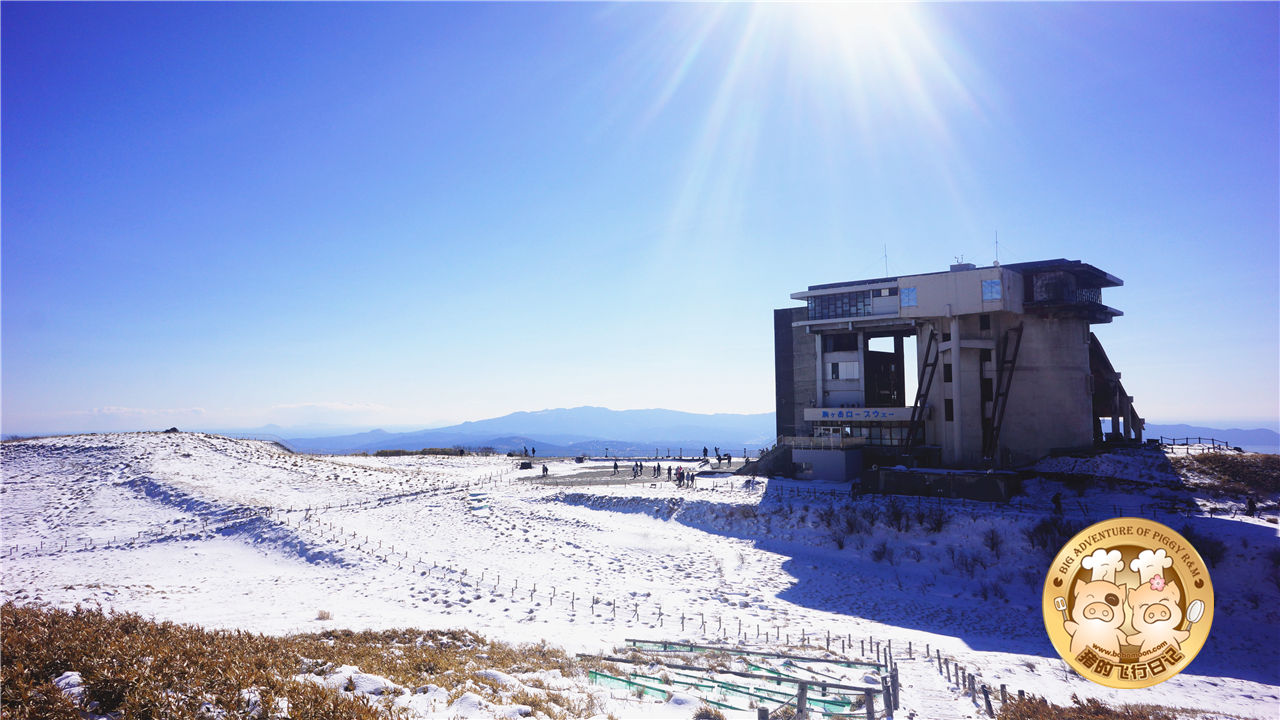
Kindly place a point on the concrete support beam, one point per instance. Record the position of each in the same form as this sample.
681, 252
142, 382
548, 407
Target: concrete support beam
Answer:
817, 344
957, 423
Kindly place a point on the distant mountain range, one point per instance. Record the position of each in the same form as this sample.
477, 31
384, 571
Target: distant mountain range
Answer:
571, 431
590, 430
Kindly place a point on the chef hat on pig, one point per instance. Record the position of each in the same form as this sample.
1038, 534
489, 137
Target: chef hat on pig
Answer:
1150, 563
1104, 564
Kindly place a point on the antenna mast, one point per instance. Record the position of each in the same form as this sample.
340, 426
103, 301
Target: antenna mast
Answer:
886, 260
997, 247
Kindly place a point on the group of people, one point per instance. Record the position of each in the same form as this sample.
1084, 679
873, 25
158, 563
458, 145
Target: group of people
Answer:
678, 475
637, 469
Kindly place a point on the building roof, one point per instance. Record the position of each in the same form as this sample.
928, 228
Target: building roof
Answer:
1087, 275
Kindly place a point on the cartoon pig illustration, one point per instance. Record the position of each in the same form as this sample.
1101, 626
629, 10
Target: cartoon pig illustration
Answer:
1155, 603
1098, 610
1097, 616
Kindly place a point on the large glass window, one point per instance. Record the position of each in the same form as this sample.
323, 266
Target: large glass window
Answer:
991, 290
840, 305
908, 297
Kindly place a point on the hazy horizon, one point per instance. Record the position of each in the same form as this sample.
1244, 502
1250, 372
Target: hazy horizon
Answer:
333, 429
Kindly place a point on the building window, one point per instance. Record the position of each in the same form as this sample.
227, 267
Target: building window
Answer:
988, 392
984, 355
840, 305
843, 371
946, 372
984, 322
948, 410
839, 342
991, 290
908, 297
946, 337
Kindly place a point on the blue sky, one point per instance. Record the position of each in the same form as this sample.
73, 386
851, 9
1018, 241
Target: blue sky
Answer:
221, 215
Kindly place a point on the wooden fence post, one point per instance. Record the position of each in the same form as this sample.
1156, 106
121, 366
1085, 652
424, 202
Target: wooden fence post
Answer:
897, 687
987, 697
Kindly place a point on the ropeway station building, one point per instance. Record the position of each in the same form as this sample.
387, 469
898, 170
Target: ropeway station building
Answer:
1007, 369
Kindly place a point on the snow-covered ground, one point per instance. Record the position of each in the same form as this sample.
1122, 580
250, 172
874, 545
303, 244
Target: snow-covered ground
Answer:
241, 534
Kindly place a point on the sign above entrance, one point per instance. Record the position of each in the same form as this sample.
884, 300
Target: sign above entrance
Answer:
892, 414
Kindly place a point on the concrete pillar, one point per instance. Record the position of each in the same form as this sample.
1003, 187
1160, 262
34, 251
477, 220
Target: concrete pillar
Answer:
957, 395
1115, 407
862, 367
818, 400
900, 370
1127, 429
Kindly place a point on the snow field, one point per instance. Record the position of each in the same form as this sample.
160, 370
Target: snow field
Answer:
238, 534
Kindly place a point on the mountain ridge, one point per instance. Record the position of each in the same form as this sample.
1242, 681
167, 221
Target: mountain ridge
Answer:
566, 431
591, 429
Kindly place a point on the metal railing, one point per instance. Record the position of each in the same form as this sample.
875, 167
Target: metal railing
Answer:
1208, 444
832, 442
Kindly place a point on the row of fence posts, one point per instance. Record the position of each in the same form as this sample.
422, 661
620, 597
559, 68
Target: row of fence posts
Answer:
967, 681
882, 651
489, 479
890, 684
89, 543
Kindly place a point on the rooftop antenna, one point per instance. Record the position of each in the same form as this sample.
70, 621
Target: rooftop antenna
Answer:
886, 260
997, 248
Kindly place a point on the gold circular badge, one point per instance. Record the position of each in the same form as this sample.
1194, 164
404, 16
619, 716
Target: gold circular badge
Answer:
1128, 603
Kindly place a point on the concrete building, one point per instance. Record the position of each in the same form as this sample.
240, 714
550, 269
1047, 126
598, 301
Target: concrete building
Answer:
1007, 369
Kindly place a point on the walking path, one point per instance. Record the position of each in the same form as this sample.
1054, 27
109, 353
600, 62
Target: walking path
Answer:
927, 694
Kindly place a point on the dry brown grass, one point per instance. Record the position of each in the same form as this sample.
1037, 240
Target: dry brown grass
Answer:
1233, 473
1091, 709
144, 669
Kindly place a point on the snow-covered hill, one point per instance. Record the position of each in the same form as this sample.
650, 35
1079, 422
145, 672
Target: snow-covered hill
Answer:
240, 534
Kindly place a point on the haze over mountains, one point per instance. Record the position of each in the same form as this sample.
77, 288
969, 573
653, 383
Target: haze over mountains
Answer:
570, 431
